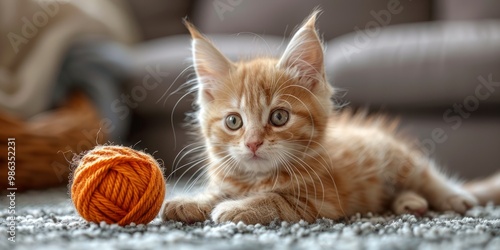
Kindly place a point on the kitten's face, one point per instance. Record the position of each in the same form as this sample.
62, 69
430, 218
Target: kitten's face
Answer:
263, 114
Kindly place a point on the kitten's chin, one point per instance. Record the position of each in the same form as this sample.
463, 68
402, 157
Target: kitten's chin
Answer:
257, 165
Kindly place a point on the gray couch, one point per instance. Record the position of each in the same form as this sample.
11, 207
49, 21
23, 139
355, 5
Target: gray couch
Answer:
434, 64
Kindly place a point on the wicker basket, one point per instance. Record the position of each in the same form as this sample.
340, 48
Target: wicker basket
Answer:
45, 144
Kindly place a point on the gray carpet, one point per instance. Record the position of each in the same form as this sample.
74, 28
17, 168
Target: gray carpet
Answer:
47, 220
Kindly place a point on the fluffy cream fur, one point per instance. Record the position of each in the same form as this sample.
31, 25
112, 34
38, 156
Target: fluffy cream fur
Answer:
275, 148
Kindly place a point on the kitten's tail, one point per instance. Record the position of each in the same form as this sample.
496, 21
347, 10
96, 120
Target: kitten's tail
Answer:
486, 190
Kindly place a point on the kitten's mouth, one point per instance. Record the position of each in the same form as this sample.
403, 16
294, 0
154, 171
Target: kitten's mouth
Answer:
256, 164
255, 157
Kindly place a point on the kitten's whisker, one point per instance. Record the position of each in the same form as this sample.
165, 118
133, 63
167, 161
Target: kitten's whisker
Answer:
305, 185
190, 166
291, 156
171, 85
177, 159
189, 86
226, 166
186, 167
172, 116
280, 161
178, 168
306, 150
303, 163
297, 191
232, 165
213, 171
325, 109
296, 187
203, 167
275, 170
197, 179
269, 50
328, 169
189, 186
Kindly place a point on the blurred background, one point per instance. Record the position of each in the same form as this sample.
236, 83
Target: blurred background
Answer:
74, 74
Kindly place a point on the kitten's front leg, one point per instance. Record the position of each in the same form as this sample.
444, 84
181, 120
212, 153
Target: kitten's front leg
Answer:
263, 208
189, 209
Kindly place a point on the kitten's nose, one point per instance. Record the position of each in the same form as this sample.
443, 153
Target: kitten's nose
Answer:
254, 145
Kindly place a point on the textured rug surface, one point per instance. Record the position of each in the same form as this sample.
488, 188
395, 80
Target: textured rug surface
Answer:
47, 220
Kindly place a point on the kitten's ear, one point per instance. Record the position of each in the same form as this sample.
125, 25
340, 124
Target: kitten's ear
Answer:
209, 63
305, 51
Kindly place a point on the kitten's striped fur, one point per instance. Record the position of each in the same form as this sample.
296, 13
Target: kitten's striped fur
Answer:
318, 164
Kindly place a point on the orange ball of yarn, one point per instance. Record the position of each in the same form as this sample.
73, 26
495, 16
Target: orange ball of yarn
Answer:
118, 185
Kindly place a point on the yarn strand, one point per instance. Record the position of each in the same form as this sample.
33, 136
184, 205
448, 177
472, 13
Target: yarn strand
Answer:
119, 185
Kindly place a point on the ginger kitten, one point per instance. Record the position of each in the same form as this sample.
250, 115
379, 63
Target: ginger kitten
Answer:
277, 150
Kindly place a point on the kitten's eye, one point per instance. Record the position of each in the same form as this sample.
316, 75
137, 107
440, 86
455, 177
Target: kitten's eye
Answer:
279, 117
234, 122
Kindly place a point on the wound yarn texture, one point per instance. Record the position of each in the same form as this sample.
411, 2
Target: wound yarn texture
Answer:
117, 184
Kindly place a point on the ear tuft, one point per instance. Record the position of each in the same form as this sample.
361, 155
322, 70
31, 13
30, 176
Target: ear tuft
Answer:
209, 63
195, 34
310, 22
305, 51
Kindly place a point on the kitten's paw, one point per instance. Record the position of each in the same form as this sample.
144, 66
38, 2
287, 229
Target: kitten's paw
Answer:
410, 202
235, 211
185, 210
459, 203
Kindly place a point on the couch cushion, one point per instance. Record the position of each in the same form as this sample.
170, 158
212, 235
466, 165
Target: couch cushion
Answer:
466, 9
280, 17
468, 150
419, 65
158, 18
